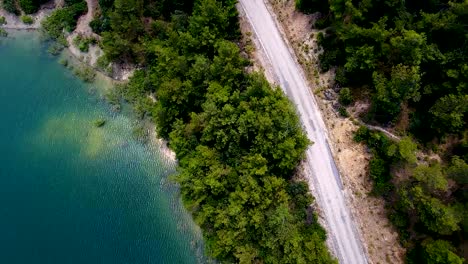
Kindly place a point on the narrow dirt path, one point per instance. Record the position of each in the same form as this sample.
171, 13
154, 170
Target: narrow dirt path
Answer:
83, 29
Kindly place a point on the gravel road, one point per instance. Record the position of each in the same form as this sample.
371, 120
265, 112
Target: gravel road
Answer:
323, 176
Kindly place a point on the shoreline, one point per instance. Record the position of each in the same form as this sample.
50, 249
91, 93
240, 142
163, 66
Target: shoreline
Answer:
13, 22
121, 73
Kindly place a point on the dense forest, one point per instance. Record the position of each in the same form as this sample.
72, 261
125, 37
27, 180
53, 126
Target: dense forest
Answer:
238, 140
410, 61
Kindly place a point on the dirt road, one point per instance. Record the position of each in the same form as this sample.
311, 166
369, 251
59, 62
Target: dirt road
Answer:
323, 176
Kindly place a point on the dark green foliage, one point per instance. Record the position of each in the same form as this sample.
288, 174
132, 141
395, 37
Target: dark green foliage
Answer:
3, 33
99, 122
410, 59
83, 42
405, 53
422, 198
10, 6
238, 139
311, 6
124, 22
440, 252
27, 19
458, 171
100, 24
63, 19
72, 2
85, 73
343, 112
106, 4
345, 96
31, 6
379, 172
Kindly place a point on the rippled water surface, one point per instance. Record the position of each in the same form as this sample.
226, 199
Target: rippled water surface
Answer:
71, 192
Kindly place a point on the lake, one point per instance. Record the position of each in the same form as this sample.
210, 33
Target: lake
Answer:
72, 192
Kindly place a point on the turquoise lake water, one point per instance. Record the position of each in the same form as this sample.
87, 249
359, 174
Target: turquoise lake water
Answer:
74, 193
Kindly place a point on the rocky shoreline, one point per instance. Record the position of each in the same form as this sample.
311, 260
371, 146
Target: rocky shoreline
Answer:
120, 72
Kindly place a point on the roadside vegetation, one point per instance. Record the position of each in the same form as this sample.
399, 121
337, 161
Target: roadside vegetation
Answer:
410, 61
238, 140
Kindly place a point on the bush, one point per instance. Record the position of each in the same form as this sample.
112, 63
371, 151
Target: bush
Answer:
10, 7
379, 172
311, 6
31, 6
323, 22
340, 76
63, 62
82, 43
27, 20
327, 59
2, 21
85, 73
99, 122
55, 48
100, 24
345, 98
343, 112
3, 33
362, 134
63, 19
104, 65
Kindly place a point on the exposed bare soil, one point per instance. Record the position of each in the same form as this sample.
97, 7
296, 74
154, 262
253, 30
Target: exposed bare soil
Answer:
83, 29
14, 22
380, 237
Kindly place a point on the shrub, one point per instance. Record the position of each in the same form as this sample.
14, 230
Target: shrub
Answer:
31, 6
100, 24
63, 62
379, 172
3, 33
55, 48
362, 134
10, 7
83, 42
343, 112
311, 6
27, 20
99, 122
2, 21
63, 19
346, 97
104, 64
323, 22
86, 74
340, 76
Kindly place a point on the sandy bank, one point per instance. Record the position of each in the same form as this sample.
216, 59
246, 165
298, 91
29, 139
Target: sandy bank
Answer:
120, 72
14, 22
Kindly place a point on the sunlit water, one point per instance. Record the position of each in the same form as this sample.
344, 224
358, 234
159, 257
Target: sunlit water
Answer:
74, 193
